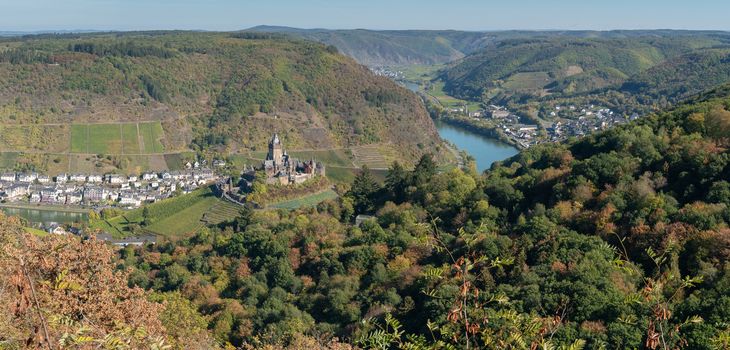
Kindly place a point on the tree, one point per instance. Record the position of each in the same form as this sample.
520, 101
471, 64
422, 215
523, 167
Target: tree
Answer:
363, 191
396, 182
425, 169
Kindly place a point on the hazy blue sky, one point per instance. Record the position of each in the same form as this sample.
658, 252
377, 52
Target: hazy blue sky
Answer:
375, 14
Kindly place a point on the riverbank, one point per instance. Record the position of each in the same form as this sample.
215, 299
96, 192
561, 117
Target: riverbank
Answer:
485, 131
46, 207
483, 149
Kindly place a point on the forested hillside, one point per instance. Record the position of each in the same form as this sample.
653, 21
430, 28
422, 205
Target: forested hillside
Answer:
616, 240
645, 69
218, 91
393, 47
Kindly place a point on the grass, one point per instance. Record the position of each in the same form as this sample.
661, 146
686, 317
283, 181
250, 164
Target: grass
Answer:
173, 217
347, 175
118, 138
527, 81
129, 139
104, 139
338, 157
176, 161
8, 160
36, 232
306, 201
152, 135
437, 91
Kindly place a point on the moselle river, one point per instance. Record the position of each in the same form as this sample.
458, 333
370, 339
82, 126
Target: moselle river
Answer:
43, 216
485, 150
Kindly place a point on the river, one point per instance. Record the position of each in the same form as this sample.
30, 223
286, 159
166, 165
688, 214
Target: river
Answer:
46, 216
485, 150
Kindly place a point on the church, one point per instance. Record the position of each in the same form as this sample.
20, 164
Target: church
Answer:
282, 169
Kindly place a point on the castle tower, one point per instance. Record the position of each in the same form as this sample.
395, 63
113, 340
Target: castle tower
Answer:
276, 152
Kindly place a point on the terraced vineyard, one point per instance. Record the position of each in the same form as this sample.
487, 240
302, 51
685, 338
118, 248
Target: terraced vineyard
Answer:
370, 156
221, 212
117, 138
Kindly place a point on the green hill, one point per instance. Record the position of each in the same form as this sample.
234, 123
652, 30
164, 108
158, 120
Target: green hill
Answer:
566, 66
611, 241
138, 96
392, 47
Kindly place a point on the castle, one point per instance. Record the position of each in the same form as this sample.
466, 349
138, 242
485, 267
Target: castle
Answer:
282, 169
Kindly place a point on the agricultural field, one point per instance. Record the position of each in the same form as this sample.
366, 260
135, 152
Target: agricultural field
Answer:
347, 175
176, 161
174, 216
117, 138
47, 138
527, 81
306, 201
370, 156
335, 157
436, 91
8, 160
221, 212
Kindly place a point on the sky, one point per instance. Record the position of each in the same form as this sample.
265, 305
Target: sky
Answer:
50, 15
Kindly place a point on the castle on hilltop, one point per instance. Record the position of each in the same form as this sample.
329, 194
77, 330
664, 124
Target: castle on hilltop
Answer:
282, 169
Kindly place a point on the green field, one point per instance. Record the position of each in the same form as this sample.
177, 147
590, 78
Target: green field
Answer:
338, 157
307, 201
527, 81
175, 216
8, 160
347, 175
124, 138
151, 134
437, 92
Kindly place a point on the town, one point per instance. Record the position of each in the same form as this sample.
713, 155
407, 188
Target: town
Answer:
558, 124
99, 191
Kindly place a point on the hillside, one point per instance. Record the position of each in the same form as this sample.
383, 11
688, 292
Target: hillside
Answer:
392, 47
139, 99
565, 66
614, 240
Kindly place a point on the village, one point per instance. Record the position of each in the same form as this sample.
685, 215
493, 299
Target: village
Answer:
559, 124
99, 191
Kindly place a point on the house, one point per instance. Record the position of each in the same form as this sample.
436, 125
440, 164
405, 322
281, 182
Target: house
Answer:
528, 128
80, 178
10, 177
166, 175
132, 178
63, 178
74, 197
499, 114
129, 200
56, 229
115, 179
28, 178
94, 194
49, 196
95, 178
196, 165
44, 179
35, 197
149, 176
362, 218
188, 165
15, 192
219, 163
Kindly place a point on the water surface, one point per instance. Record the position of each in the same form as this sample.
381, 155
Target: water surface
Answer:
485, 150
46, 216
